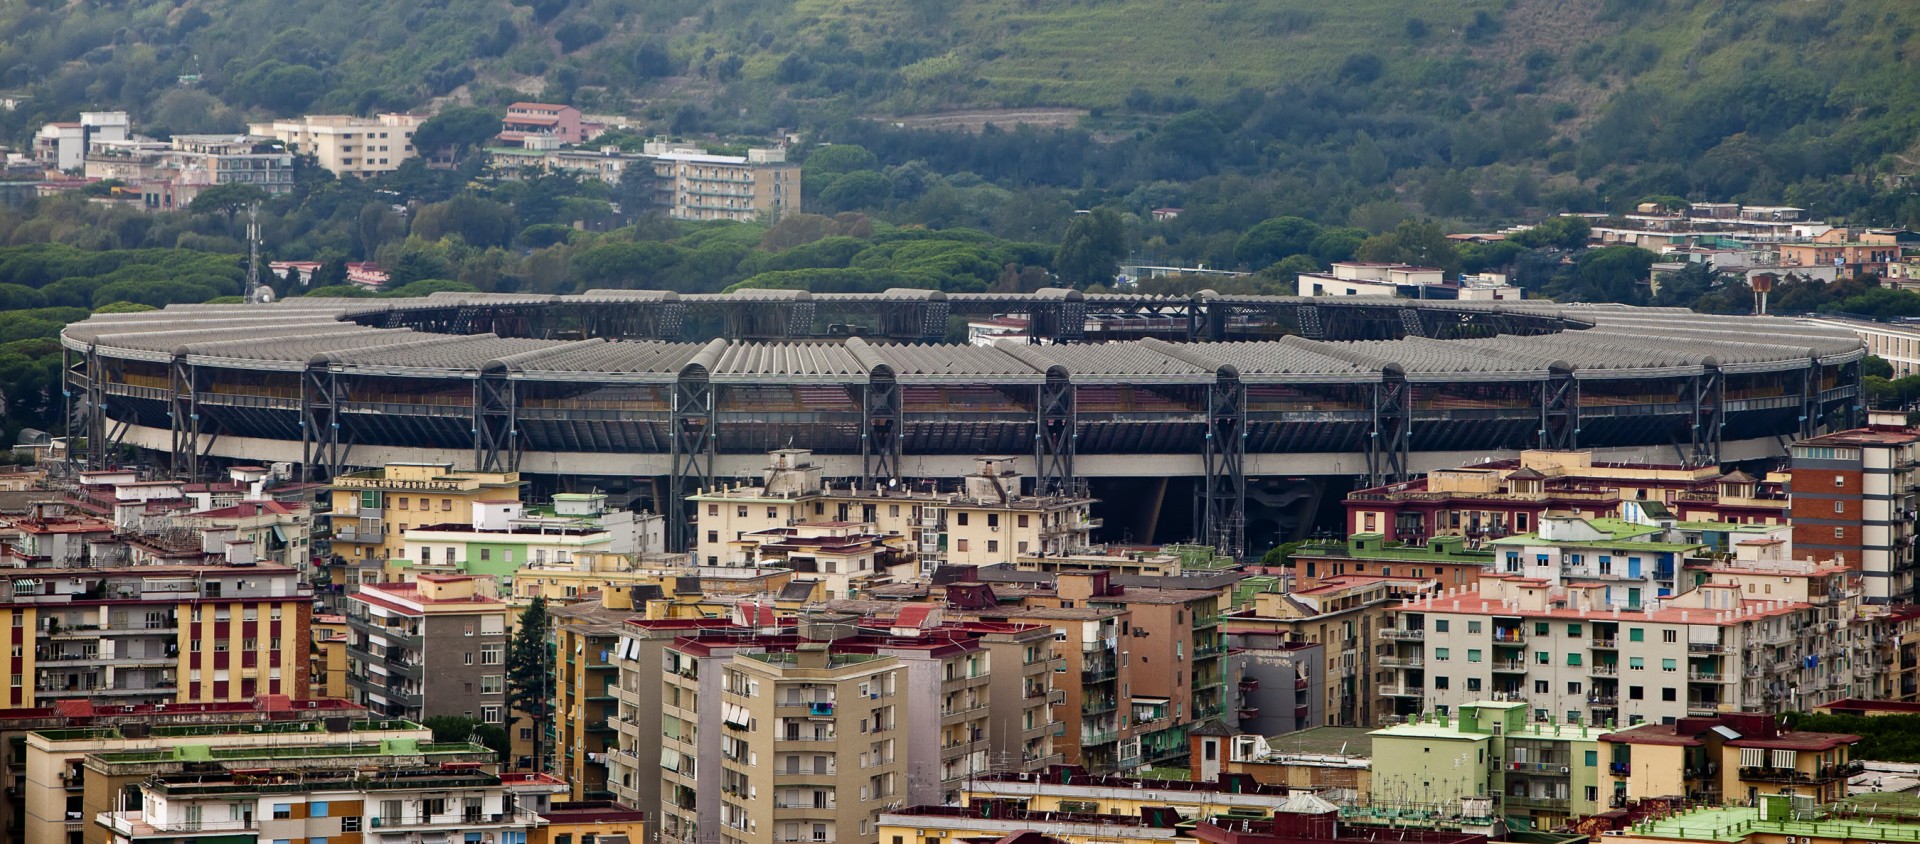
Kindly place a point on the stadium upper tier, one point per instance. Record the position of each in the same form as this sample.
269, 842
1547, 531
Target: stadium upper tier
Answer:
546, 383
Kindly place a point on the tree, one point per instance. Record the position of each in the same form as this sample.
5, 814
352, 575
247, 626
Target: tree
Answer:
228, 199
1876, 365
1091, 250
530, 673
457, 728
1421, 244
463, 128
1274, 239
1280, 555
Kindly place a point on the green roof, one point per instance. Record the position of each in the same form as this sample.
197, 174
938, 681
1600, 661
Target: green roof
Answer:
1353, 741
1619, 532
1395, 553
1731, 527
392, 747
1737, 824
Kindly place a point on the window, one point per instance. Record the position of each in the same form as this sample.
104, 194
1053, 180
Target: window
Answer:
486, 555
1540, 687
491, 654
466, 658
993, 520
1573, 631
1543, 658
1473, 655
1573, 659
1540, 628
1839, 506
1669, 636
446, 505
1592, 758
1669, 695
960, 545
740, 511
1839, 481
493, 684
490, 714
1636, 693
1839, 533
317, 809
1636, 662
1669, 665
1635, 634
1022, 519
960, 519
1439, 682
993, 546
1573, 688
403, 502
1472, 626
1440, 625
282, 811
1473, 684
1440, 654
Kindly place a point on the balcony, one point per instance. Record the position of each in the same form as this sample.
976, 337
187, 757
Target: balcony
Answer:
1403, 691
1095, 737
1509, 666
1098, 673
1537, 804
1603, 701
1398, 662
1604, 669
1509, 636
1098, 706
1706, 677
1605, 644
1399, 635
1702, 649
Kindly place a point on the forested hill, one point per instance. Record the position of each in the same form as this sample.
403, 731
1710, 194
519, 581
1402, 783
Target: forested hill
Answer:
1780, 100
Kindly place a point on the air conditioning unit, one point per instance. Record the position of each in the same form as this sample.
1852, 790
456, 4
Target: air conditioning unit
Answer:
1563, 769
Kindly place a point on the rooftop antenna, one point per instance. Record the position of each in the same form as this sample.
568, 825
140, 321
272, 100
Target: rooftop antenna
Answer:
257, 293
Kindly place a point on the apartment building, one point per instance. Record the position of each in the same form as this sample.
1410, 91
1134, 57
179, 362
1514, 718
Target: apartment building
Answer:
1853, 501
1093, 687
1279, 684
987, 522
75, 773
328, 657
1445, 560
407, 791
63, 146
346, 144
1543, 772
1335, 762
1300, 819
586, 679
1727, 758
695, 185
1569, 653
435, 646
541, 125
1510, 496
372, 510
17, 723
633, 766
1340, 617
155, 633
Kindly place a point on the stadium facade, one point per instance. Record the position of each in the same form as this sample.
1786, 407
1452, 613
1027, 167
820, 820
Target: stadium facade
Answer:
669, 393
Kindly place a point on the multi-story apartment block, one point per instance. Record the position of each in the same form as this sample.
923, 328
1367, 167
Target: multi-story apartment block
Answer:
1728, 758
63, 146
345, 144
75, 773
633, 767
1339, 616
989, 522
404, 789
183, 718
1093, 685
807, 731
373, 510
327, 676
1853, 501
1508, 496
1538, 770
1569, 548
1300, 819
1279, 683
1574, 651
693, 184
541, 125
586, 679
155, 633
435, 646
1445, 560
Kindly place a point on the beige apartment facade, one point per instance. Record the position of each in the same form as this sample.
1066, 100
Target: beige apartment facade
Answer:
345, 144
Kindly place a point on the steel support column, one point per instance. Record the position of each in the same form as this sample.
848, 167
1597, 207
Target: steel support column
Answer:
880, 436
183, 420
1225, 515
692, 441
87, 419
320, 396
1560, 411
1810, 408
1388, 442
1707, 391
496, 435
1054, 434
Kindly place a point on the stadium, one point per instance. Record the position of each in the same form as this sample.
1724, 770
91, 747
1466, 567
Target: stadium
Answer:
1257, 408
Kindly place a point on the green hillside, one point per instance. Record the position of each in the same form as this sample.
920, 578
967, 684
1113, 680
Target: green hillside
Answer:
1460, 109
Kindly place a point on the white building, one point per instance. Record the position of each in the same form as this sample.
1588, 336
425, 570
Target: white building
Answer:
63, 146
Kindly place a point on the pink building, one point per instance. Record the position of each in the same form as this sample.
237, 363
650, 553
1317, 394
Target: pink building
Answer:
558, 124
366, 274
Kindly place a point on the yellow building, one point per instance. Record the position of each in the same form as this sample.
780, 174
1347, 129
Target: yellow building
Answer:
372, 510
328, 659
585, 679
1732, 758
693, 184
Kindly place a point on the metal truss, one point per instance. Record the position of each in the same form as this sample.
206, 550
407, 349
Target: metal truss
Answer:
880, 436
692, 439
1706, 394
496, 434
321, 453
1388, 443
1560, 412
183, 417
1224, 519
1055, 434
